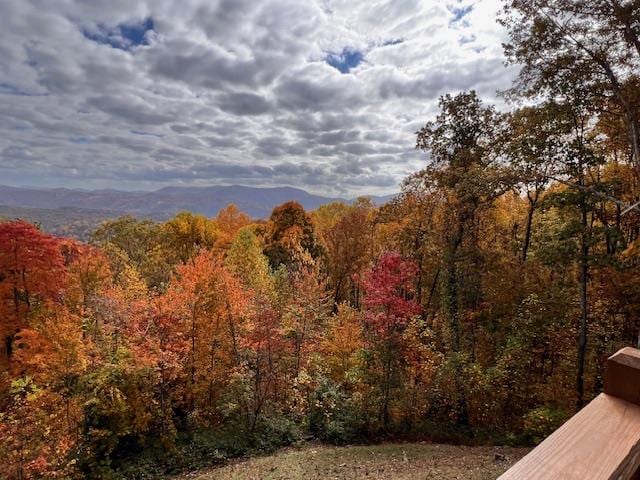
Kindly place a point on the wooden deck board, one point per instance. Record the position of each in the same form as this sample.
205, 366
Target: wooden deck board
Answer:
600, 442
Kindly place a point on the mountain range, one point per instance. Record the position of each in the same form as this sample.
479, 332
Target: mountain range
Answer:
38, 204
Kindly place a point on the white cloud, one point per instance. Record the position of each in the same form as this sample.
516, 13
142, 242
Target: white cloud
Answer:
233, 91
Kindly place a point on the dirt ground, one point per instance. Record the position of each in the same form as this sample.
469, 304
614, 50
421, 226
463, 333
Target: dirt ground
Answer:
402, 461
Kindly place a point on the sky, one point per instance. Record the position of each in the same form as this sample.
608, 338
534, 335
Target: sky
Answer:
324, 95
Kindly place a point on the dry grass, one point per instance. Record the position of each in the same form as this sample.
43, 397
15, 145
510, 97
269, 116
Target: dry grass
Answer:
408, 461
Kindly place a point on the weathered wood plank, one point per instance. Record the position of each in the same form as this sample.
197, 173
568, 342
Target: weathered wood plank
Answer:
602, 441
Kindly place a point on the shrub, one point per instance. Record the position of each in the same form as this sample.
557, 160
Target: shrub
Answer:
540, 422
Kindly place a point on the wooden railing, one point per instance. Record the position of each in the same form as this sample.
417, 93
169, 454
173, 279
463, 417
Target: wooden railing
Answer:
602, 441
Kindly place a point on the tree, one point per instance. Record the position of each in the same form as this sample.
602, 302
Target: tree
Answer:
36, 440
461, 143
581, 157
209, 305
534, 146
412, 223
129, 241
348, 244
89, 276
229, 221
265, 350
583, 55
186, 234
593, 46
343, 343
32, 273
389, 304
304, 315
291, 235
245, 260
326, 216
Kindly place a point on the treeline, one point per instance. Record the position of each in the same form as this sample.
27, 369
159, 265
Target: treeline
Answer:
479, 305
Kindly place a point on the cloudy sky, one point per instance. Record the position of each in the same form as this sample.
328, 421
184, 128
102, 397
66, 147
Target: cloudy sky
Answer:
323, 95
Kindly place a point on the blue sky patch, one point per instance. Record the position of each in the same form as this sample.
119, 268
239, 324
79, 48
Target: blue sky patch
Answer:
345, 61
123, 36
459, 13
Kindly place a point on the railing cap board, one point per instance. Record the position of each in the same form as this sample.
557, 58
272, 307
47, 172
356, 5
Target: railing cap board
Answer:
622, 375
600, 442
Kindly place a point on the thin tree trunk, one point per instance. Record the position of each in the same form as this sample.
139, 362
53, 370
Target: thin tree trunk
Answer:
387, 390
527, 233
584, 274
432, 290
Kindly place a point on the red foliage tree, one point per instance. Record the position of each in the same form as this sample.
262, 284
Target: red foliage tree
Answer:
389, 295
389, 305
32, 273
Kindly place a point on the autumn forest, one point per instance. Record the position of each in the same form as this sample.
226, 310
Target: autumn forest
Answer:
478, 306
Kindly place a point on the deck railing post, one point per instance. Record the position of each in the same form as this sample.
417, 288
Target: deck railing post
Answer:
601, 441
622, 375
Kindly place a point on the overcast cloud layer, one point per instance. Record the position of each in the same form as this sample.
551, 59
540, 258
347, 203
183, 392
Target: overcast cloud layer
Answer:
320, 94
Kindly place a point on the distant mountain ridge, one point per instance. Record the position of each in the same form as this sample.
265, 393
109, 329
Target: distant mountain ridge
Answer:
166, 202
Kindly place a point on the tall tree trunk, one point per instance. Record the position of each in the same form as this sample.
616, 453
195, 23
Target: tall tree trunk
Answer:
451, 284
584, 277
386, 393
527, 233
336, 295
451, 302
432, 290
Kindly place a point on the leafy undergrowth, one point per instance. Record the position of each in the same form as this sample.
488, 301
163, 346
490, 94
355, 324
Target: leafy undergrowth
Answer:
401, 461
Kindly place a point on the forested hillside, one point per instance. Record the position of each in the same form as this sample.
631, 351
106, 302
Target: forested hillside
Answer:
72, 222
478, 306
